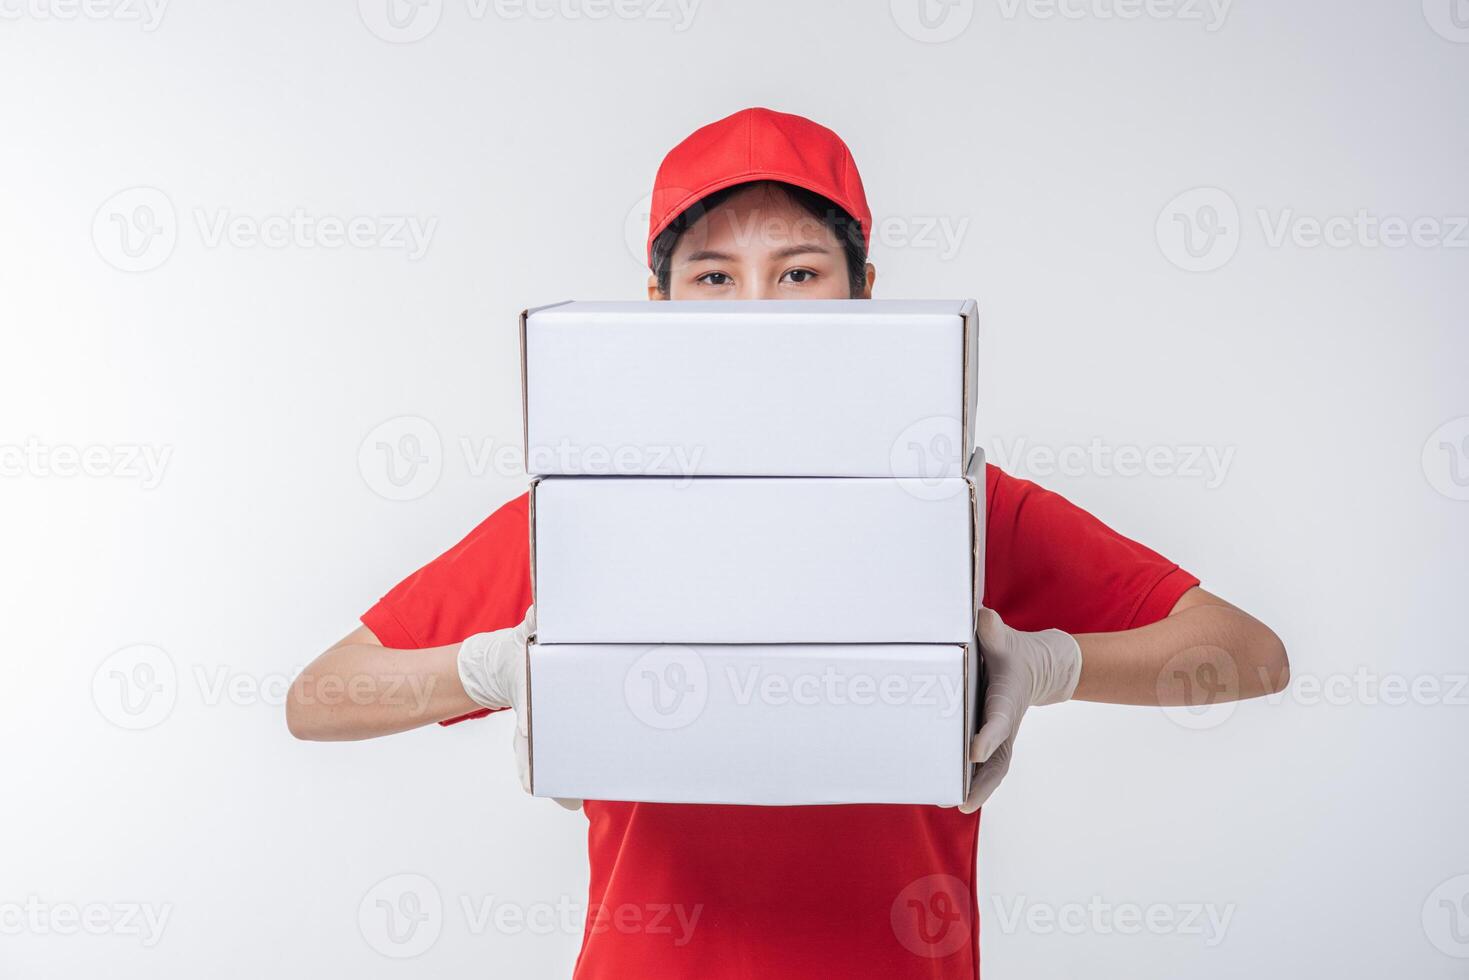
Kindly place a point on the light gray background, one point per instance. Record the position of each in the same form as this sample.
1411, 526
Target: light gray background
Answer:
1329, 827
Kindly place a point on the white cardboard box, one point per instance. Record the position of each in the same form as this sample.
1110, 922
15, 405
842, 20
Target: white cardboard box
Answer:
872, 388
771, 725
757, 559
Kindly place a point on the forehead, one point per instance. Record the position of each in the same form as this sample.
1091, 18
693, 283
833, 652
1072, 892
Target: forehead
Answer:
759, 217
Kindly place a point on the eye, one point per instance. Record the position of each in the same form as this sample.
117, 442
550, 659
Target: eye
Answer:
714, 279
798, 276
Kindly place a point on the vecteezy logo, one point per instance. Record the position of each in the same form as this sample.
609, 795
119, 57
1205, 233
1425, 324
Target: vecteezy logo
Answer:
401, 21
932, 21
1199, 687
1448, 18
402, 458
1199, 230
136, 687
931, 917
1446, 459
1446, 917
934, 449
667, 687
638, 220
136, 229
401, 916
635, 229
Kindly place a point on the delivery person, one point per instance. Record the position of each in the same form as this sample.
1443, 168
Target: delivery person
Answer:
764, 205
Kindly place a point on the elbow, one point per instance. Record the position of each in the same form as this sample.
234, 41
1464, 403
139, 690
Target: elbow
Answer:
302, 719
297, 722
1274, 664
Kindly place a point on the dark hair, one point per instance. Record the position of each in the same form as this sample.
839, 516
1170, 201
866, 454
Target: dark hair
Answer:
846, 228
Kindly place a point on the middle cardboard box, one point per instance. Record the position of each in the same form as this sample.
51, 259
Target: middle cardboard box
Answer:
757, 559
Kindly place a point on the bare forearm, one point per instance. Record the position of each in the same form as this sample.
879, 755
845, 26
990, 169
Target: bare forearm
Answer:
1206, 651
362, 690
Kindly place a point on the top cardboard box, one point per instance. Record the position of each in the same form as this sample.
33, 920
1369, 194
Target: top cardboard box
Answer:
859, 388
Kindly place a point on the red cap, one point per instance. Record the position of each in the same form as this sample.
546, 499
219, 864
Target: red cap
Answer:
757, 144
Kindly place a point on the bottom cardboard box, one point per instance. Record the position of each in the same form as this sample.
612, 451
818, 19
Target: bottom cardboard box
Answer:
774, 725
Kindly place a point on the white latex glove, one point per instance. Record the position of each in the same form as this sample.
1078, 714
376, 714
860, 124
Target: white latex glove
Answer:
492, 669
1024, 669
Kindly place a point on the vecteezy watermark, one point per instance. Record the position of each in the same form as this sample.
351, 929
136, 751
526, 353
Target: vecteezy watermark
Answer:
931, 916
148, 14
222, 684
842, 688
676, 920
1201, 230
932, 21
942, 234
937, 21
1362, 229
677, 14
403, 915
143, 462
1211, 14
404, 457
1198, 688
400, 21
1446, 458
564, 915
1446, 917
681, 462
1208, 465
636, 224
1372, 688
401, 458
667, 687
406, 21
300, 229
137, 229
928, 458
1100, 917
1448, 18
136, 687
34, 916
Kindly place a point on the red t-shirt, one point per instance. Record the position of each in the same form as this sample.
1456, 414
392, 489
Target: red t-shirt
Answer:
774, 892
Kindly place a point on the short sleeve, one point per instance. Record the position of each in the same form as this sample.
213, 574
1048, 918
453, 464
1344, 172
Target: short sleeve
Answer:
480, 584
1050, 564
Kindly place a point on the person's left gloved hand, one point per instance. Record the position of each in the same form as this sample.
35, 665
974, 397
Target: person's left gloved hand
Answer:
1024, 669
492, 669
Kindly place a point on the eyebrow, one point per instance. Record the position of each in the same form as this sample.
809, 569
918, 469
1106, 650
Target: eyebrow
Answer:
807, 249
705, 255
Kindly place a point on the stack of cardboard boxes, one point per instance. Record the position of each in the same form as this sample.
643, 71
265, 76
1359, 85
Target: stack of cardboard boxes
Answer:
756, 550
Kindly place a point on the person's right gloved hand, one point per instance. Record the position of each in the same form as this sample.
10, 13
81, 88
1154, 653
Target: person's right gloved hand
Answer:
1025, 670
492, 669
